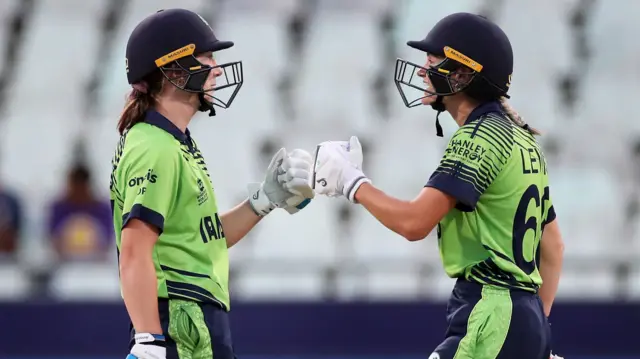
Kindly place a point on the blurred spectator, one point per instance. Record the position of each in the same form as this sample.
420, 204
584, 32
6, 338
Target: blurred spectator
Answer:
10, 223
80, 225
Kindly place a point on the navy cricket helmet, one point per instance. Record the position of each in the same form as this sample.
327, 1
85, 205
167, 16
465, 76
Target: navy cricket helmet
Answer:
470, 44
169, 41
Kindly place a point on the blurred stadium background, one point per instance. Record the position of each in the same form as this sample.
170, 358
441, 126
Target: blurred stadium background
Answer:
330, 282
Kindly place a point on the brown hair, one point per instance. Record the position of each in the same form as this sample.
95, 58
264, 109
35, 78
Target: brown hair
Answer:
515, 117
141, 98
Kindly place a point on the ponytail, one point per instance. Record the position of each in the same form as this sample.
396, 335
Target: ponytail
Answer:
139, 101
137, 105
515, 117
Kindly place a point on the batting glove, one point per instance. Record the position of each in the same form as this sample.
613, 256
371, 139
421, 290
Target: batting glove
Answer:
338, 168
286, 184
148, 346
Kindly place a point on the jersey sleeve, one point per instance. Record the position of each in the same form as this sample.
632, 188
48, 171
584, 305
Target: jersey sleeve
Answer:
474, 157
151, 177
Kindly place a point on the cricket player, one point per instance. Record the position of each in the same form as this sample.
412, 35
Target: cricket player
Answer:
172, 239
489, 198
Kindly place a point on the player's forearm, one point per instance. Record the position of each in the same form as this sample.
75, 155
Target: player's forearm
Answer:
139, 289
393, 213
551, 258
237, 222
550, 269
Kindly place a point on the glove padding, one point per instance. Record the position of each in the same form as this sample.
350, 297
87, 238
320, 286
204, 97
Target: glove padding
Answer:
148, 346
553, 356
286, 184
337, 168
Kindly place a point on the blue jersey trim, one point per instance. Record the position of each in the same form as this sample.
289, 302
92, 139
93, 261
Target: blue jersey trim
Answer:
146, 215
464, 192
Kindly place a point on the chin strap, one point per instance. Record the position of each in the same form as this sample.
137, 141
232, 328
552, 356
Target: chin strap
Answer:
438, 106
206, 105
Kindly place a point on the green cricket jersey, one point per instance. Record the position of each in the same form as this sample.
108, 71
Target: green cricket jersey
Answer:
160, 177
497, 173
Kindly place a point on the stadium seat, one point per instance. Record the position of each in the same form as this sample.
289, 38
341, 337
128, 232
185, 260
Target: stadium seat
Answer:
585, 195
607, 20
290, 285
597, 282
57, 56
634, 283
537, 76
381, 284
15, 283
374, 243
38, 169
7, 8
86, 282
418, 17
102, 139
405, 156
310, 237
257, 104
335, 78
230, 156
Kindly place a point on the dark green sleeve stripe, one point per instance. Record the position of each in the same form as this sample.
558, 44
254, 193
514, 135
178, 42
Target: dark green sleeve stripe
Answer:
498, 142
525, 137
485, 172
500, 139
481, 174
503, 157
499, 132
489, 167
492, 137
464, 176
481, 180
488, 160
455, 175
503, 124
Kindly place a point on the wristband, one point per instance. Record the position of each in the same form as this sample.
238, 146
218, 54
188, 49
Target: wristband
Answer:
150, 339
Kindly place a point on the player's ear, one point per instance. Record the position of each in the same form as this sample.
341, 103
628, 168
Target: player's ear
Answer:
462, 77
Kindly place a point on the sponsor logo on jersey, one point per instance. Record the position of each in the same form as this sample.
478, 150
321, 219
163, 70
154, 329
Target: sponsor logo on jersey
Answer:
202, 196
150, 177
466, 150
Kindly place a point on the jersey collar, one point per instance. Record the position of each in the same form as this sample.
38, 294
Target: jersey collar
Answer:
156, 119
485, 108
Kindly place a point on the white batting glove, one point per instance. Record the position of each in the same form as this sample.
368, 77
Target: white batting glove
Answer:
337, 168
286, 184
148, 346
553, 356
